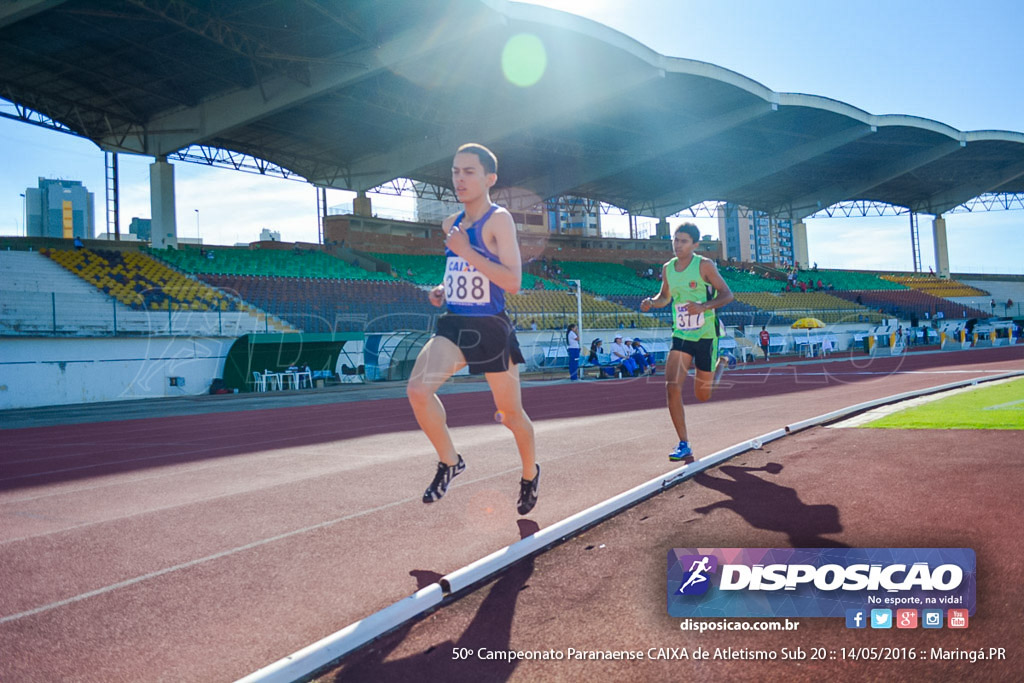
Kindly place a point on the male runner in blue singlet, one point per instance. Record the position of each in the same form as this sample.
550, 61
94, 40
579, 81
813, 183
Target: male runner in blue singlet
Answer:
482, 264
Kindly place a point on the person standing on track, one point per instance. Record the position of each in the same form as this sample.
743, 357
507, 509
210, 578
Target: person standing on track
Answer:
572, 342
482, 264
765, 338
694, 287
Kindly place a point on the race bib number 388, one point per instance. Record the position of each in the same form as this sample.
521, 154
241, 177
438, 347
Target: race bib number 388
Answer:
463, 284
688, 321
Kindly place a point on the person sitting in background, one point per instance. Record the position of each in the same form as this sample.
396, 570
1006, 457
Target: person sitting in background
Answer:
621, 356
595, 352
643, 360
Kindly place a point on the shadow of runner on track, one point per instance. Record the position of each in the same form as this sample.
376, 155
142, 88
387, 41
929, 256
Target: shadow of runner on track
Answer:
491, 629
769, 506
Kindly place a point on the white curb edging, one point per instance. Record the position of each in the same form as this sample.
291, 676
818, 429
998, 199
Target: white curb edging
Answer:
333, 647
324, 651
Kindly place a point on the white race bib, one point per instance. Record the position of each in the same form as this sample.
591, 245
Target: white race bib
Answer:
688, 321
464, 284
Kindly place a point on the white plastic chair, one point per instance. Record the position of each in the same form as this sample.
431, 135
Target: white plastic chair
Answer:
273, 379
259, 381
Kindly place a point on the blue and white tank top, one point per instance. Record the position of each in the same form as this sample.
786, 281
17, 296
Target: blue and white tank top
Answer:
467, 290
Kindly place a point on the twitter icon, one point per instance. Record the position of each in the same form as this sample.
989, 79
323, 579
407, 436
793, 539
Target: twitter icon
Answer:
881, 618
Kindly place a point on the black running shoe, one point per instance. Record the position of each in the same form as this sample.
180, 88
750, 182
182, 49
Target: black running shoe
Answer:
442, 478
528, 493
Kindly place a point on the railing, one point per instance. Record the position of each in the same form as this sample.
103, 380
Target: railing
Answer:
28, 313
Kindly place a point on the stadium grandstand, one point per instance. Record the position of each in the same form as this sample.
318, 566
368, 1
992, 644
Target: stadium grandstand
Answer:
370, 275
86, 292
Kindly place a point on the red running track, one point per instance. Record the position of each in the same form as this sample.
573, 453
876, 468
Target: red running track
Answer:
203, 547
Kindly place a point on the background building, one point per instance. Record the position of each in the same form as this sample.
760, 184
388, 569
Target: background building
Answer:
754, 236
59, 208
574, 216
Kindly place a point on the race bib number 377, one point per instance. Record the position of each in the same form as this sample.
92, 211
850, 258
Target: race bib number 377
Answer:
465, 285
688, 321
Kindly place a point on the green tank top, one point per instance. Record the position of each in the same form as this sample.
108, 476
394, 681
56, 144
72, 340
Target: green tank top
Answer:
686, 286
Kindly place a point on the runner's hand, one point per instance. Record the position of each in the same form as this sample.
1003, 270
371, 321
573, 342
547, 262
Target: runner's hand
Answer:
458, 241
693, 308
437, 296
645, 305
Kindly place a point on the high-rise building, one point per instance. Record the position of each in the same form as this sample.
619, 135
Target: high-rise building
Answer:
59, 208
754, 236
574, 216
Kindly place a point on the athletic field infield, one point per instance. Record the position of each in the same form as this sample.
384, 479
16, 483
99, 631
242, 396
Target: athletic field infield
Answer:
986, 407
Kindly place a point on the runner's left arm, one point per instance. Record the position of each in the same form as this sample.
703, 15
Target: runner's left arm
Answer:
723, 295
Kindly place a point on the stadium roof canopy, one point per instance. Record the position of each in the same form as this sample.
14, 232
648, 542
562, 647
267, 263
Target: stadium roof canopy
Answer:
354, 93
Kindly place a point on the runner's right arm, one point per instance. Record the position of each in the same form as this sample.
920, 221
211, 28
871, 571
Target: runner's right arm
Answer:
436, 295
664, 297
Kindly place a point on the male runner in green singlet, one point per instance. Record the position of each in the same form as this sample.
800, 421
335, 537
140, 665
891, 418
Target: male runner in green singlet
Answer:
694, 287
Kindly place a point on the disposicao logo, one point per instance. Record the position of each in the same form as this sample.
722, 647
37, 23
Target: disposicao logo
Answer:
696, 581
818, 582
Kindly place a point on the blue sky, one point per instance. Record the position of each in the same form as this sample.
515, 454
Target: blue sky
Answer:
956, 63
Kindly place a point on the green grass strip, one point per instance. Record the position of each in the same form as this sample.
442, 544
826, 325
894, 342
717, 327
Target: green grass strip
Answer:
987, 407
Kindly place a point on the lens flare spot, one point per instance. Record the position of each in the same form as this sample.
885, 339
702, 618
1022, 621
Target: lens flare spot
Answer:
524, 59
499, 416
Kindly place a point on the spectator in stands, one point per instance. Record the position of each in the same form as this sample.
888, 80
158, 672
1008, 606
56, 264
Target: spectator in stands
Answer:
815, 269
632, 324
1009, 305
695, 288
533, 325
78, 243
820, 286
993, 305
803, 286
764, 338
572, 343
622, 356
475, 332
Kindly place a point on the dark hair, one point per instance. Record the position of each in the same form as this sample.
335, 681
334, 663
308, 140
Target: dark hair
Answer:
486, 156
690, 229
568, 329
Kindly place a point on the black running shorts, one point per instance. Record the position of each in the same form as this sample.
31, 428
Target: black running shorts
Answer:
488, 342
703, 351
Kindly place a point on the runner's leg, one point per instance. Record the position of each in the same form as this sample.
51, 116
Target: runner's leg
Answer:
508, 399
676, 366
438, 360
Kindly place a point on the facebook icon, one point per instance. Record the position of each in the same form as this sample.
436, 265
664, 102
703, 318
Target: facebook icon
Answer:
856, 618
